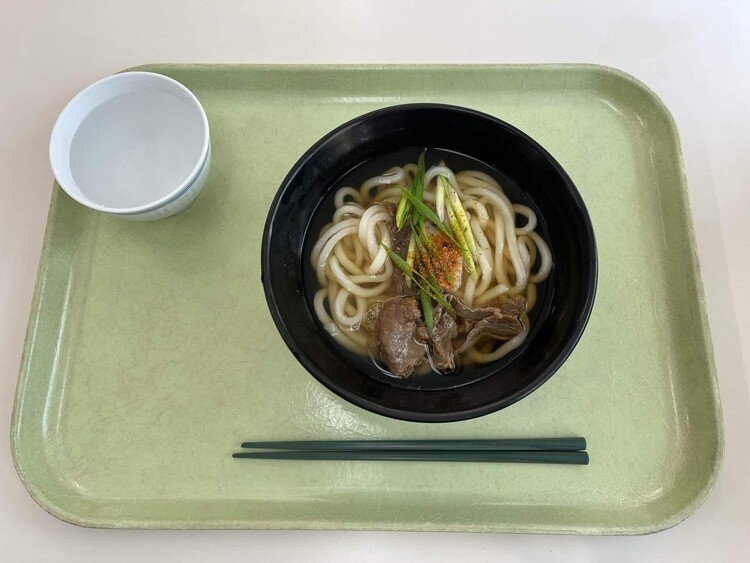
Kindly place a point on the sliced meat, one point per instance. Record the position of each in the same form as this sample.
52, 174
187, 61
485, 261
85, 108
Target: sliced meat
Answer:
501, 321
497, 326
511, 305
395, 335
514, 306
441, 340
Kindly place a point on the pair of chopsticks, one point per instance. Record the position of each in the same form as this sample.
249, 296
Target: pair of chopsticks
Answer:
569, 451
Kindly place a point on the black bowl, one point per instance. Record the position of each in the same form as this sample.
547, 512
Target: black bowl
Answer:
518, 161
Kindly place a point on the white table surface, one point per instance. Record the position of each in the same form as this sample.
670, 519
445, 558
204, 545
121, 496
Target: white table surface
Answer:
695, 55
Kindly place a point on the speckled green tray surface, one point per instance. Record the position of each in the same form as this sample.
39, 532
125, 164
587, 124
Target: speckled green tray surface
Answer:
151, 353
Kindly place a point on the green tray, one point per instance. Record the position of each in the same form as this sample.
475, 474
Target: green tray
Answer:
151, 355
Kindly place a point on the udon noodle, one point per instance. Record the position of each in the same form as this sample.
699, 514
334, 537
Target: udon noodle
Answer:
354, 271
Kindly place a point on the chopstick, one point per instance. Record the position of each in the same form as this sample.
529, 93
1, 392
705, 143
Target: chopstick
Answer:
513, 444
514, 450
555, 457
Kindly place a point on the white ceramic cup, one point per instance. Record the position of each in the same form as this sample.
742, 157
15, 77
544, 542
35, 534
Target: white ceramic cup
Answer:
135, 145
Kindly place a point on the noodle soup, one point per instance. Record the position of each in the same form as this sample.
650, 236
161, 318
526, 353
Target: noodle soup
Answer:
485, 304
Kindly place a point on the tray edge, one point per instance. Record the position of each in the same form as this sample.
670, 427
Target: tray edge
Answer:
678, 516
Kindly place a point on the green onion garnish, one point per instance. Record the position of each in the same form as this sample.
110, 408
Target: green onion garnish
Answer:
429, 319
411, 253
429, 214
458, 232
417, 189
440, 198
458, 208
403, 209
422, 283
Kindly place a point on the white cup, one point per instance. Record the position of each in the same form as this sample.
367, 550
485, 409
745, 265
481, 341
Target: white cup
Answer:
135, 145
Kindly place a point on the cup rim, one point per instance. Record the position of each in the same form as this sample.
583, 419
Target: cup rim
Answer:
171, 195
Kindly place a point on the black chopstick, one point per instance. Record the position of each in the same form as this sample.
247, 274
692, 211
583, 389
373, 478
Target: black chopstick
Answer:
513, 444
557, 457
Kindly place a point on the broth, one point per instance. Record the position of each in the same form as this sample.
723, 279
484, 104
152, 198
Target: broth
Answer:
366, 359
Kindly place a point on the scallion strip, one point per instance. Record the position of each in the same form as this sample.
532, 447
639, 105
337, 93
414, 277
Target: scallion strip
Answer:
411, 254
429, 319
403, 209
458, 233
458, 209
440, 197
416, 188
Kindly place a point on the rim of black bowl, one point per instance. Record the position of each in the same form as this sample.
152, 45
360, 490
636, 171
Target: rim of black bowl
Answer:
405, 414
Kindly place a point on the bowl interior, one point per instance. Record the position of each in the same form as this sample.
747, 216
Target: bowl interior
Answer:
129, 141
529, 174
464, 375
